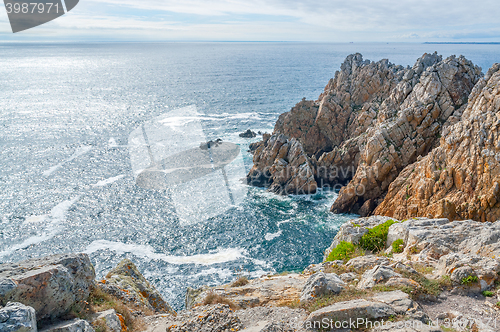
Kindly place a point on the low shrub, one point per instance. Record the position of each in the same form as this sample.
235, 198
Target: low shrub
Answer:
376, 237
213, 298
241, 281
398, 246
344, 251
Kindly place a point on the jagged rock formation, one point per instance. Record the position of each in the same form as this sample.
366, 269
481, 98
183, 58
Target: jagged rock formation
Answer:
460, 179
373, 119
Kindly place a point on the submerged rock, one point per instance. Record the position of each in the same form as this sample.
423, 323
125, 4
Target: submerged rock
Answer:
248, 134
51, 285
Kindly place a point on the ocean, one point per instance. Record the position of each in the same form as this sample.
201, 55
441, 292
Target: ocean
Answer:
67, 178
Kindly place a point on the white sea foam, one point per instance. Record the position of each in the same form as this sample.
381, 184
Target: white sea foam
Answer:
271, 236
56, 218
108, 181
35, 219
79, 152
112, 143
147, 252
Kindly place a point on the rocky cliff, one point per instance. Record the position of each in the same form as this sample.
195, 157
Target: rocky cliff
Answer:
460, 178
372, 120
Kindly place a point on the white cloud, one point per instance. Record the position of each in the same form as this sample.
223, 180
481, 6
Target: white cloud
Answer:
319, 20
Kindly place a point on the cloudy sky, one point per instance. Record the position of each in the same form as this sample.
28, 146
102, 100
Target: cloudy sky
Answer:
270, 20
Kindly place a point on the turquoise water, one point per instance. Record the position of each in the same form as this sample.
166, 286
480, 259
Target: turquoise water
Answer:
66, 180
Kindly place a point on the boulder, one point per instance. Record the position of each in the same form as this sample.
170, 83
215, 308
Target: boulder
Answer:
275, 290
349, 311
217, 318
110, 319
347, 277
321, 284
459, 266
402, 282
398, 300
51, 285
126, 282
75, 325
16, 317
362, 263
376, 275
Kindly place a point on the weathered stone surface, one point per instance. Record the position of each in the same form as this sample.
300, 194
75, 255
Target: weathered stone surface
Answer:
376, 275
407, 326
216, 318
111, 320
127, 283
429, 239
321, 284
51, 285
347, 277
353, 230
350, 310
398, 300
459, 266
264, 291
16, 317
75, 325
267, 319
460, 178
366, 262
402, 282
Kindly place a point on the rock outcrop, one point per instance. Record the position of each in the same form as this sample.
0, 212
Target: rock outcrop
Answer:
127, 283
460, 179
51, 285
373, 120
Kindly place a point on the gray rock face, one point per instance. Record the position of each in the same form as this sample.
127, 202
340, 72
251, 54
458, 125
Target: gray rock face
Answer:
376, 275
267, 319
366, 262
16, 317
75, 325
51, 285
321, 284
111, 320
347, 311
216, 318
398, 300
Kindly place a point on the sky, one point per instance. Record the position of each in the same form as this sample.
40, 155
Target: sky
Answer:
270, 20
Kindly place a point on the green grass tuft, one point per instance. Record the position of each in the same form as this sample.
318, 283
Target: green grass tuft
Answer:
344, 251
376, 237
398, 246
488, 293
